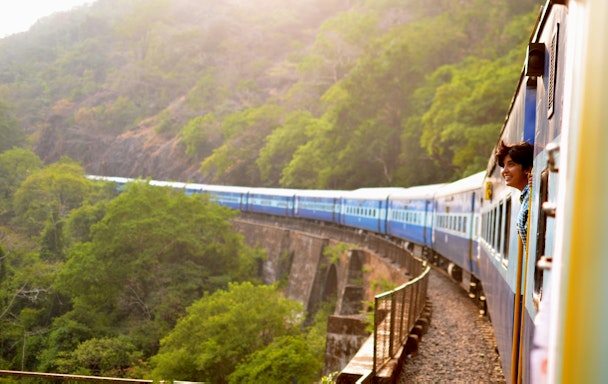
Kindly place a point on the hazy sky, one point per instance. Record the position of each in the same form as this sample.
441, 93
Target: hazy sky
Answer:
19, 15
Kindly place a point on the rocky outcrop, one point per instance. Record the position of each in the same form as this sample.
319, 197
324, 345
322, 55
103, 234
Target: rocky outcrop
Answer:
139, 153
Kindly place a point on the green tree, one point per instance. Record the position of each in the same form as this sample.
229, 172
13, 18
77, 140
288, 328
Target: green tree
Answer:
45, 199
222, 329
308, 166
155, 251
235, 161
27, 302
10, 134
464, 119
281, 145
110, 357
15, 166
201, 135
81, 220
287, 359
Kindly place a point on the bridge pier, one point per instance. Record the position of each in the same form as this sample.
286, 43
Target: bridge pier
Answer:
350, 279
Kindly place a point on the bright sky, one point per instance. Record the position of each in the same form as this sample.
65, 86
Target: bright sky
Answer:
19, 15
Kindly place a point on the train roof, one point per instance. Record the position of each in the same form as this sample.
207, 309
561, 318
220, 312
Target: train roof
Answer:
372, 193
320, 193
225, 188
273, 191
463, 185
417, 192
172, 184
115, 179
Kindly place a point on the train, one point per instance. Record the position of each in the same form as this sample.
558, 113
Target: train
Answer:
546, 300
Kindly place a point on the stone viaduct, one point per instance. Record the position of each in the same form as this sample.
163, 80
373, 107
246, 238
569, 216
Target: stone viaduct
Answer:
323, 262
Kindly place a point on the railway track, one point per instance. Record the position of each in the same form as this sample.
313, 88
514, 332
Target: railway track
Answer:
459, 345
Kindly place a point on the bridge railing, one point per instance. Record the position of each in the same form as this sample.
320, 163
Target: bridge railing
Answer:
22, 377
395, 315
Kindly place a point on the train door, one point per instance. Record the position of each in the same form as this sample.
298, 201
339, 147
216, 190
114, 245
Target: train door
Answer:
427, 223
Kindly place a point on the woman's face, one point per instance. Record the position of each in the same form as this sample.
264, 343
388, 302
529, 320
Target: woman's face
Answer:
513, 174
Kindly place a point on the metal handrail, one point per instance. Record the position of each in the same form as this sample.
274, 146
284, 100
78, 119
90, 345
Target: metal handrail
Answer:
395, 315
57, 377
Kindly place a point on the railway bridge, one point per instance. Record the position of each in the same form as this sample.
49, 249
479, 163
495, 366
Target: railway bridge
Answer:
349, 268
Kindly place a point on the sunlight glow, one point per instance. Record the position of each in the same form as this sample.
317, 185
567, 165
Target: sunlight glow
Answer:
19, 16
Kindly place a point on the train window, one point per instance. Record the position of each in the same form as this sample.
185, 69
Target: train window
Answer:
499, 227
552, 70
507, 230
495, 233
491, 227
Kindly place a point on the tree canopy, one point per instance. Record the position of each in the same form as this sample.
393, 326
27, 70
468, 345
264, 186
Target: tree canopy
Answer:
167, 87
224, 329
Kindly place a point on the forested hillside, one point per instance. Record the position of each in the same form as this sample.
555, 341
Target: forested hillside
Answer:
290, 93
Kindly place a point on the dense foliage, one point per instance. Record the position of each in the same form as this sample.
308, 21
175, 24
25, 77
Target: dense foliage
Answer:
291, 93
91, 281
245, 334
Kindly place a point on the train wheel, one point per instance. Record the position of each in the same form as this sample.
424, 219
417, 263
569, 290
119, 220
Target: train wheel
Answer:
455, 272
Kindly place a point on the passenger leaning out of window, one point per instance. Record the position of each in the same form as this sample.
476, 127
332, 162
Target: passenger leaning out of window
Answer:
516, 162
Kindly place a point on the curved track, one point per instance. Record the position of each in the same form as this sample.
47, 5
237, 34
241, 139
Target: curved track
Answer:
459, 345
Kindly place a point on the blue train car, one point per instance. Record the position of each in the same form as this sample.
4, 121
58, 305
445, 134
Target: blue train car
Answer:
410, 213
455, 223
272, 201
366, 208
232, 197
498, 239
515, 278
194, 188
318, 205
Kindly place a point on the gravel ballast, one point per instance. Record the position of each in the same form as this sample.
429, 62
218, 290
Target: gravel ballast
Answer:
459, 345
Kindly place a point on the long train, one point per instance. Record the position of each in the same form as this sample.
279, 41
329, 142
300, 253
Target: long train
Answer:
555, 290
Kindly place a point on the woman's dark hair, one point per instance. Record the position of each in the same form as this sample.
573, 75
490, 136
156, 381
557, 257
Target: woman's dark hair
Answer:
521, 153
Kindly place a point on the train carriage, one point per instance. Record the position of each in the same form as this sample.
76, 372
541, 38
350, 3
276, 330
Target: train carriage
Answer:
498, 240
410, 214
227, 196
318, 205
271, 201
455, 223
513, 272
366, 208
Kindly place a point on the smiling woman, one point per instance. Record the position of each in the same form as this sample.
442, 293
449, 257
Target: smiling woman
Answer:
516, 161
19, 16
